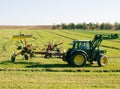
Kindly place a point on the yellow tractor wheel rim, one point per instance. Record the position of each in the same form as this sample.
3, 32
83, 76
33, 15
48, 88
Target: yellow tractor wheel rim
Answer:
79, 59
104, 60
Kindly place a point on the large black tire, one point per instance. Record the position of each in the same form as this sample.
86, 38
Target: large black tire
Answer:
13, 58
66, 58
68, 61
78, 59
26, 57
102, 60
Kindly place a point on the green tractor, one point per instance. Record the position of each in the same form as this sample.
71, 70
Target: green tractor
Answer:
88, 50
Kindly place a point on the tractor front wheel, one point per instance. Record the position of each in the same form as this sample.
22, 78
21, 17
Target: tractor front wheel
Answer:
78, 59
102, 60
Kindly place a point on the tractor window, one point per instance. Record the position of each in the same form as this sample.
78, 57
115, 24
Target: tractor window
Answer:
81, 45
84, 46
87, 45
76, 45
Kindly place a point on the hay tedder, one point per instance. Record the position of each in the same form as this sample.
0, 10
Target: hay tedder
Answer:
88, 50
28, 51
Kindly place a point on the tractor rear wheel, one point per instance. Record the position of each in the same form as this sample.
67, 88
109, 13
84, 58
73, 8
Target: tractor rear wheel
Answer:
102, 60
78, 59
68, 61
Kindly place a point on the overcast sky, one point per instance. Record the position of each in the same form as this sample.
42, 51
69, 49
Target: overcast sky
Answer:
44, 12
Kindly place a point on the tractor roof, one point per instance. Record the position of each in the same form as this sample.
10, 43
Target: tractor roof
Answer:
77, 41
81, 40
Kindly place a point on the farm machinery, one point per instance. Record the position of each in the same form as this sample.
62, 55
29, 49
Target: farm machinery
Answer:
82, 51
22, 45
28, 51
88, 50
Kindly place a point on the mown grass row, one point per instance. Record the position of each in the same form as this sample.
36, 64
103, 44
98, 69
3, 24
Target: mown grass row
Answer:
58, 80
56, 65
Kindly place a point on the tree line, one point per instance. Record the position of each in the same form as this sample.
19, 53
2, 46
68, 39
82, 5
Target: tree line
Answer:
91, 26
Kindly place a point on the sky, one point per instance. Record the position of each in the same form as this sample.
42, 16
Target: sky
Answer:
51, 12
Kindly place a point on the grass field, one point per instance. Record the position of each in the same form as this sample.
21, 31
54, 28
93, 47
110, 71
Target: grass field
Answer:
41, 73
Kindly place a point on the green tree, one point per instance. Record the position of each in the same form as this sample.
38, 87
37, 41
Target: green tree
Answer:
53, 27
92, 26
64, 26
108, 26
71, 26
117, 25
79, 26
102, 26
84, 25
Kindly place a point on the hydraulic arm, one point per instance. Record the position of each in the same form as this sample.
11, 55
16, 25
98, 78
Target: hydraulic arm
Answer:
99, 37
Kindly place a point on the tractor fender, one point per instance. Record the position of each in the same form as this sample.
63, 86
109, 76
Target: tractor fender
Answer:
79, 51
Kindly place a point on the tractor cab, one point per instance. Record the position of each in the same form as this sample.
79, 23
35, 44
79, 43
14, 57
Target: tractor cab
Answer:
81, 44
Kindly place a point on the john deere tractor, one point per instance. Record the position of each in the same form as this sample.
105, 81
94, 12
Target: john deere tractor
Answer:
88, 50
